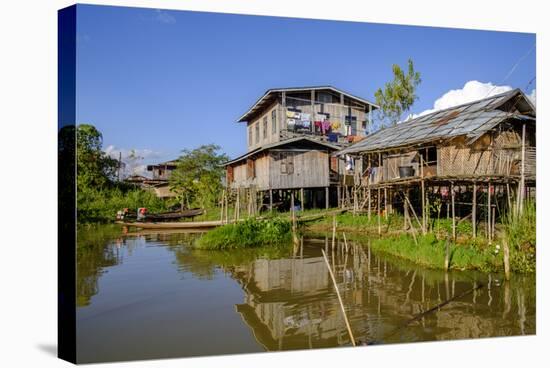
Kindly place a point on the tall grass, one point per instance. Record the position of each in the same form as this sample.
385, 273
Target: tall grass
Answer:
247, 234
430, 252
520, 232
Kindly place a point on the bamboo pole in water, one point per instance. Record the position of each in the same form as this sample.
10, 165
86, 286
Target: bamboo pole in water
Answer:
333, 230
506, 251
345, 242
339, 298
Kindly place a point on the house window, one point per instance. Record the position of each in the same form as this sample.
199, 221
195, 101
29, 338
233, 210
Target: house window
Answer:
250, 135
287, 163
264, 127
274, 121
257, 131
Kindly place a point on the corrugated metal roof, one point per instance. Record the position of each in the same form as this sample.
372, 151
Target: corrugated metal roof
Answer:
470, 119
281, 143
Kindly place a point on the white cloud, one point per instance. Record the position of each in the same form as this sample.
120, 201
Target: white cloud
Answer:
472, 91
164, 17
133, 159
533, 96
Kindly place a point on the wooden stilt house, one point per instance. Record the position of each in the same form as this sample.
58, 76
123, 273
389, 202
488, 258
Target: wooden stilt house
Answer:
483, 147
292, 134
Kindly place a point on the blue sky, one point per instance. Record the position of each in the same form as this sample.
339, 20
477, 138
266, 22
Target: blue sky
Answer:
160, 81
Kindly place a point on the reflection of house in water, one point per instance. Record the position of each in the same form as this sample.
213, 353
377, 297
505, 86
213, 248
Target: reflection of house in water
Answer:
291, 303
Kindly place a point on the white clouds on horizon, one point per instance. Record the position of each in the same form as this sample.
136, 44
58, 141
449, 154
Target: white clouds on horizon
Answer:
133, 158
473, 90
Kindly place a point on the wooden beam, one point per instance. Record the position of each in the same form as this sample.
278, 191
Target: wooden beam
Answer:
271, 200
326, 197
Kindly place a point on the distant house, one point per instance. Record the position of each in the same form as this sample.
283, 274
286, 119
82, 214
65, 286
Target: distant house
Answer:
158, 183
163, 170
291, 135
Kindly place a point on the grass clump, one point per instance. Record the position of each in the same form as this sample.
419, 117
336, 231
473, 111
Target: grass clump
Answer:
247, 234
520, 231
430, 252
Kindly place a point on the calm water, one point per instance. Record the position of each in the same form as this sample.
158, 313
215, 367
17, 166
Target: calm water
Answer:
147, 295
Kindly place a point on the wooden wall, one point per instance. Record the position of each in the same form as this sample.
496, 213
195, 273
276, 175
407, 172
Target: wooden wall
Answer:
310, 170
285, 169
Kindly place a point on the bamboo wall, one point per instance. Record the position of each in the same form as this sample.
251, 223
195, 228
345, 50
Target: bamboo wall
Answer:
493, 154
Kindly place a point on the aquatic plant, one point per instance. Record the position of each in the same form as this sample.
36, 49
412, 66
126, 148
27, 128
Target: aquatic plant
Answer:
247, 234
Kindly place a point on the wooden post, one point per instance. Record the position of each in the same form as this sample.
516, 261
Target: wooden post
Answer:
386, 203
368, 185
326, 198
333, 231
474, 210
339, 297
506, 251
270, 200
521, 194
489, 222
222, 203
292, 202
338, 189
226, 208
379, 214
302, 207
447, 254
453, 210
423, 196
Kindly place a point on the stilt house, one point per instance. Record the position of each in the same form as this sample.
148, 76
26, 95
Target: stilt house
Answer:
486, 146
292, 134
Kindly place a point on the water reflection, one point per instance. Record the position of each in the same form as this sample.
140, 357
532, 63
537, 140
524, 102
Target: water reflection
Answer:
275, 299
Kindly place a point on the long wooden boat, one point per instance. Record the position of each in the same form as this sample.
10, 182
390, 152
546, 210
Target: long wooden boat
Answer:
172, 225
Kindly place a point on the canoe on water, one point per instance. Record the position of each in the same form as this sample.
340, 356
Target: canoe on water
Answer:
172, 225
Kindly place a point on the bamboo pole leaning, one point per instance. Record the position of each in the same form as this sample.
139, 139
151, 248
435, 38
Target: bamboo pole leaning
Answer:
339, 298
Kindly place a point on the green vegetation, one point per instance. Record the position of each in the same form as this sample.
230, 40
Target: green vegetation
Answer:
246, 234
466, 253
100, 205
430, 252
398, 96
197, 178
520, 232
99, 196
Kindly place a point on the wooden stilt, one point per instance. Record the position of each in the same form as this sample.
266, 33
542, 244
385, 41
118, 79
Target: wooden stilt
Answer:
379, 214
423, 196
221, 206
489, 221
521, 194
386, 203
474, 210
326, 198
453, 210
270, 200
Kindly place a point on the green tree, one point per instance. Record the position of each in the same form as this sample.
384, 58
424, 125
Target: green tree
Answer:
398, 96
198, 176
94, 168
